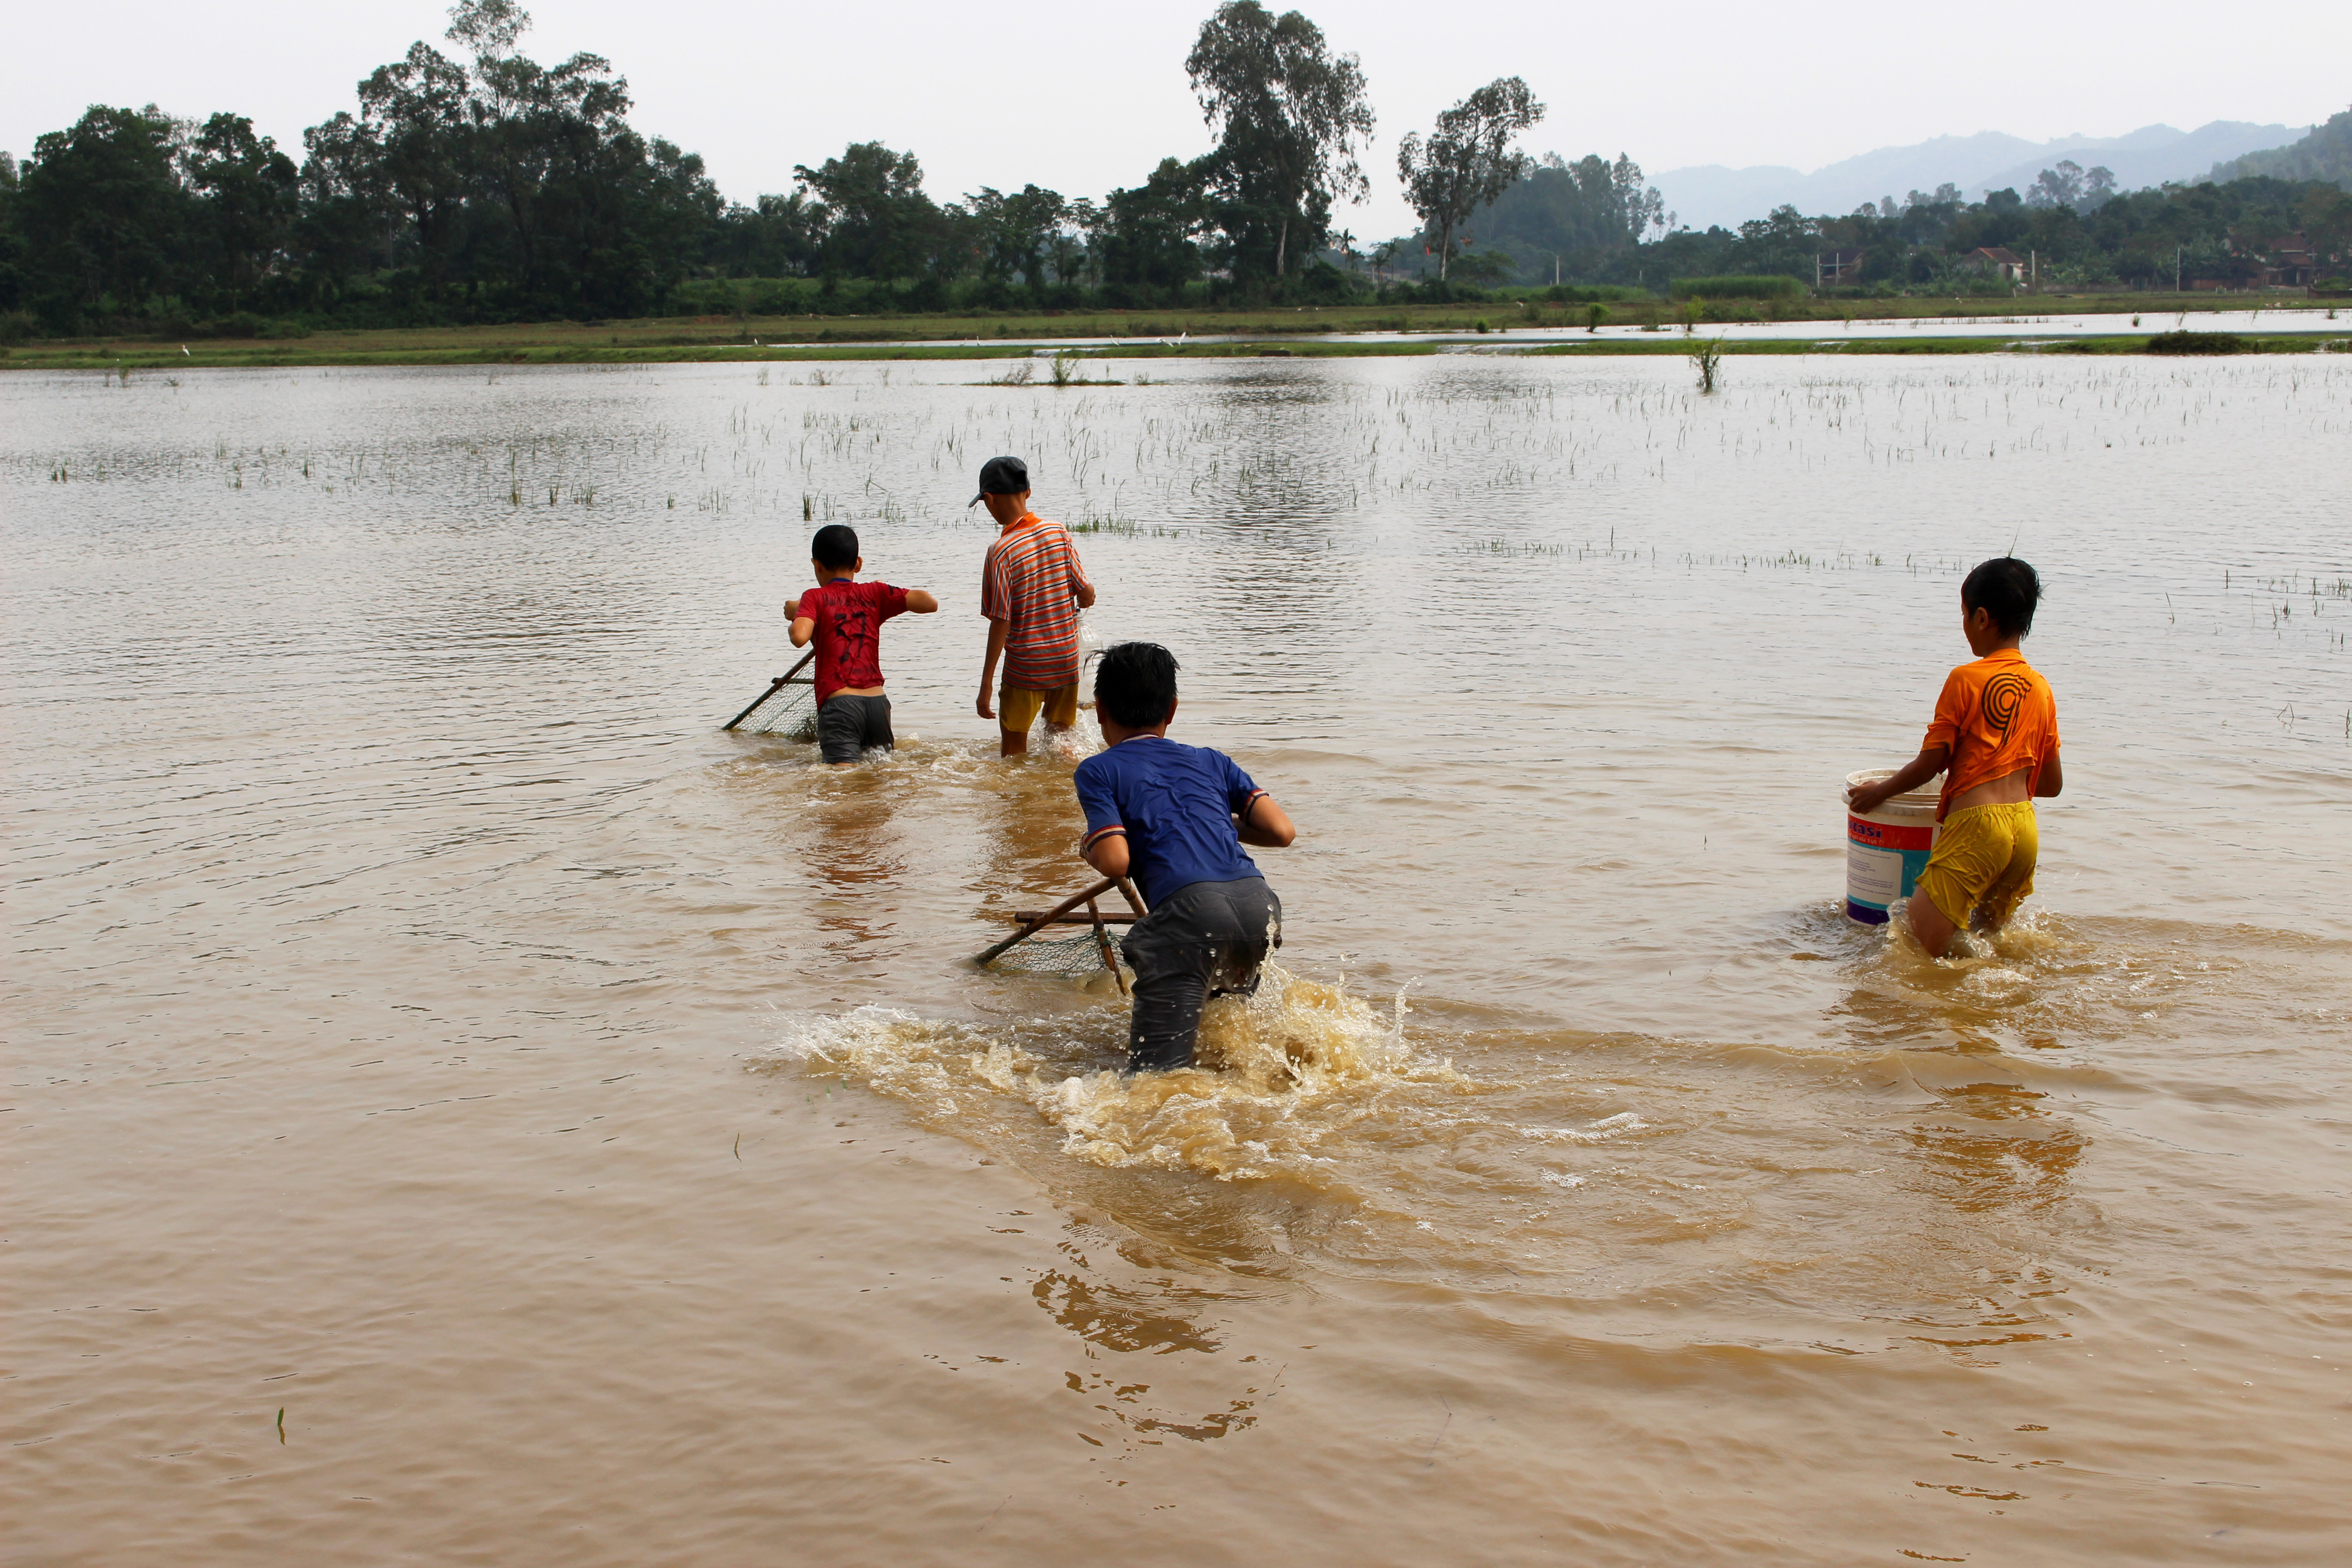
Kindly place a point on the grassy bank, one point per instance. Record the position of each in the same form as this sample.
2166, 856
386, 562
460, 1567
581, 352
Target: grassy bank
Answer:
1143, 334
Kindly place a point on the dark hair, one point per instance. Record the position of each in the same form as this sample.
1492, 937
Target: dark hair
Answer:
2007, 589
834, 546
1135, 684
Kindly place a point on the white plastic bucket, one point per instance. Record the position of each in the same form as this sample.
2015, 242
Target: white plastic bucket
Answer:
1886, 850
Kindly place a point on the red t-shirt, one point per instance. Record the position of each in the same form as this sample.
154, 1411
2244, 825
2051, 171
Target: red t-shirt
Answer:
849, 617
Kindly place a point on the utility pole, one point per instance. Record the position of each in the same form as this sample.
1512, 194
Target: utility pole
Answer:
2175, 268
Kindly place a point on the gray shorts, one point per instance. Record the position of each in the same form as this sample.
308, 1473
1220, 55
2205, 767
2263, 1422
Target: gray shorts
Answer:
847, 726
1208, 939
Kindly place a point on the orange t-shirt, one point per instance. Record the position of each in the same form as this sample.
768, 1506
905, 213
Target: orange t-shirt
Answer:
1997, 716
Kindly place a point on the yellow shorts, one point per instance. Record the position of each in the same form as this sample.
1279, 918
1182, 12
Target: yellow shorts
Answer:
1016, 709
1983, 862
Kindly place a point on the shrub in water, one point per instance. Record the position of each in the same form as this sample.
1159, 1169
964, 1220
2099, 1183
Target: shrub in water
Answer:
2185, 343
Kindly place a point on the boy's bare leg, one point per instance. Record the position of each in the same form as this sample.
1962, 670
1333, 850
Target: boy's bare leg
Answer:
1928, 924
1012, 742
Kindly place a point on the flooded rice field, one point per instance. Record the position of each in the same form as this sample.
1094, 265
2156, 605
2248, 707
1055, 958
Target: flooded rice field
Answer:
463, 1107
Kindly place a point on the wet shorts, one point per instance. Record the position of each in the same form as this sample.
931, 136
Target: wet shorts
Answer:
1206, 939
1983, 862
846, 726
1016, 709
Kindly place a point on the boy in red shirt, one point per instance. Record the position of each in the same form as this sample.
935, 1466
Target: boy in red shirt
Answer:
844, 617
1030, 589
1995, 739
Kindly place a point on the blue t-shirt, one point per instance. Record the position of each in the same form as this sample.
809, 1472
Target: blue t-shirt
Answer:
1176, 804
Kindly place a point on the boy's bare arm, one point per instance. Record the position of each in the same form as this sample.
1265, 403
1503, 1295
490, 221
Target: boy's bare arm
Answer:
1108, 855
996, 630
921, 601
2052, 778
803, 628
1869, 797
1264, 824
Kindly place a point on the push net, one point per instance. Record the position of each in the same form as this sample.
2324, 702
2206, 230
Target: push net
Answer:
785, 710
1076, 956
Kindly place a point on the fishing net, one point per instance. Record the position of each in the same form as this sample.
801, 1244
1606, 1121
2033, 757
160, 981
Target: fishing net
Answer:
1074, 956
787, 709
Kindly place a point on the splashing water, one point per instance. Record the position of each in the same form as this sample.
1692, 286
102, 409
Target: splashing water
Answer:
1279, 1077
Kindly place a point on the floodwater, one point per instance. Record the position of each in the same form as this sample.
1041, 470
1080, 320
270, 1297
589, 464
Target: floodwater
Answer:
2027, 329
462, 1106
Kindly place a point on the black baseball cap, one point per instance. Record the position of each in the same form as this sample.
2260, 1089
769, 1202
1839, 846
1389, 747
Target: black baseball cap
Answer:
1001, 476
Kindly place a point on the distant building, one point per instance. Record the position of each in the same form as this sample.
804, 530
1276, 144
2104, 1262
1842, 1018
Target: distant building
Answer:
1834, 267
2293, 263
1998, 258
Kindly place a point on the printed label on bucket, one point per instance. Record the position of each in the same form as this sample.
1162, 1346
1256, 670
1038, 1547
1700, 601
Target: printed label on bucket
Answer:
1882, 865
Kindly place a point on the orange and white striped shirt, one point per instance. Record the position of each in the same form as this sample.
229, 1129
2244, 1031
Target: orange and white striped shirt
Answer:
1030, 582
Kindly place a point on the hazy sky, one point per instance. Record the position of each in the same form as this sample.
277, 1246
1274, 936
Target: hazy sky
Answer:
1084, 97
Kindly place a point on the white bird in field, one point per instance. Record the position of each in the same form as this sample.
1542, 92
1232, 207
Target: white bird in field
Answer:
183, 349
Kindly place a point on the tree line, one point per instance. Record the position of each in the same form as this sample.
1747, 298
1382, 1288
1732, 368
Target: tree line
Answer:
478, 185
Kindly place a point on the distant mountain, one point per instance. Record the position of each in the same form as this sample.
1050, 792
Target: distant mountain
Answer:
2325, 155
2147, 157
1988, 160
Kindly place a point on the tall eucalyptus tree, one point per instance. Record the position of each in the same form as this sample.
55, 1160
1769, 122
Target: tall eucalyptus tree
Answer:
1290, 116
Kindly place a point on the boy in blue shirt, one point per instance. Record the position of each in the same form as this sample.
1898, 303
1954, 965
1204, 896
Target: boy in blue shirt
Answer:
1175, 817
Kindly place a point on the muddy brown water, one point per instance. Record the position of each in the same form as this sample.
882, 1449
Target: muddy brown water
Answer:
462, 1108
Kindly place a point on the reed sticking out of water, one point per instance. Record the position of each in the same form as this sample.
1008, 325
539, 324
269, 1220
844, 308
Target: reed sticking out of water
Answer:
1705, 358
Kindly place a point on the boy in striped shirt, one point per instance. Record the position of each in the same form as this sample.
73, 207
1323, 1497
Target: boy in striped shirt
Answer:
1030, 589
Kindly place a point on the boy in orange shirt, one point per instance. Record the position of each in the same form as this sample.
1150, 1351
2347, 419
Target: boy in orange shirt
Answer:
1030, 589
1995, 739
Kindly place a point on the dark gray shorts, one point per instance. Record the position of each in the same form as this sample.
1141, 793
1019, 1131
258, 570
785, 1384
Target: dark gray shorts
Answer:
1207, 940
846, 726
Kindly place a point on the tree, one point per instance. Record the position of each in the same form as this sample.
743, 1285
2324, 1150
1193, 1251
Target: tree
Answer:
1577, 220
104, 211
254, 193
537, 134
872, 215
2058, 187
409, 151
1642, 207
1015, 232
13, 277
1468, 159
776, 237
1145, 237
1288, 115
